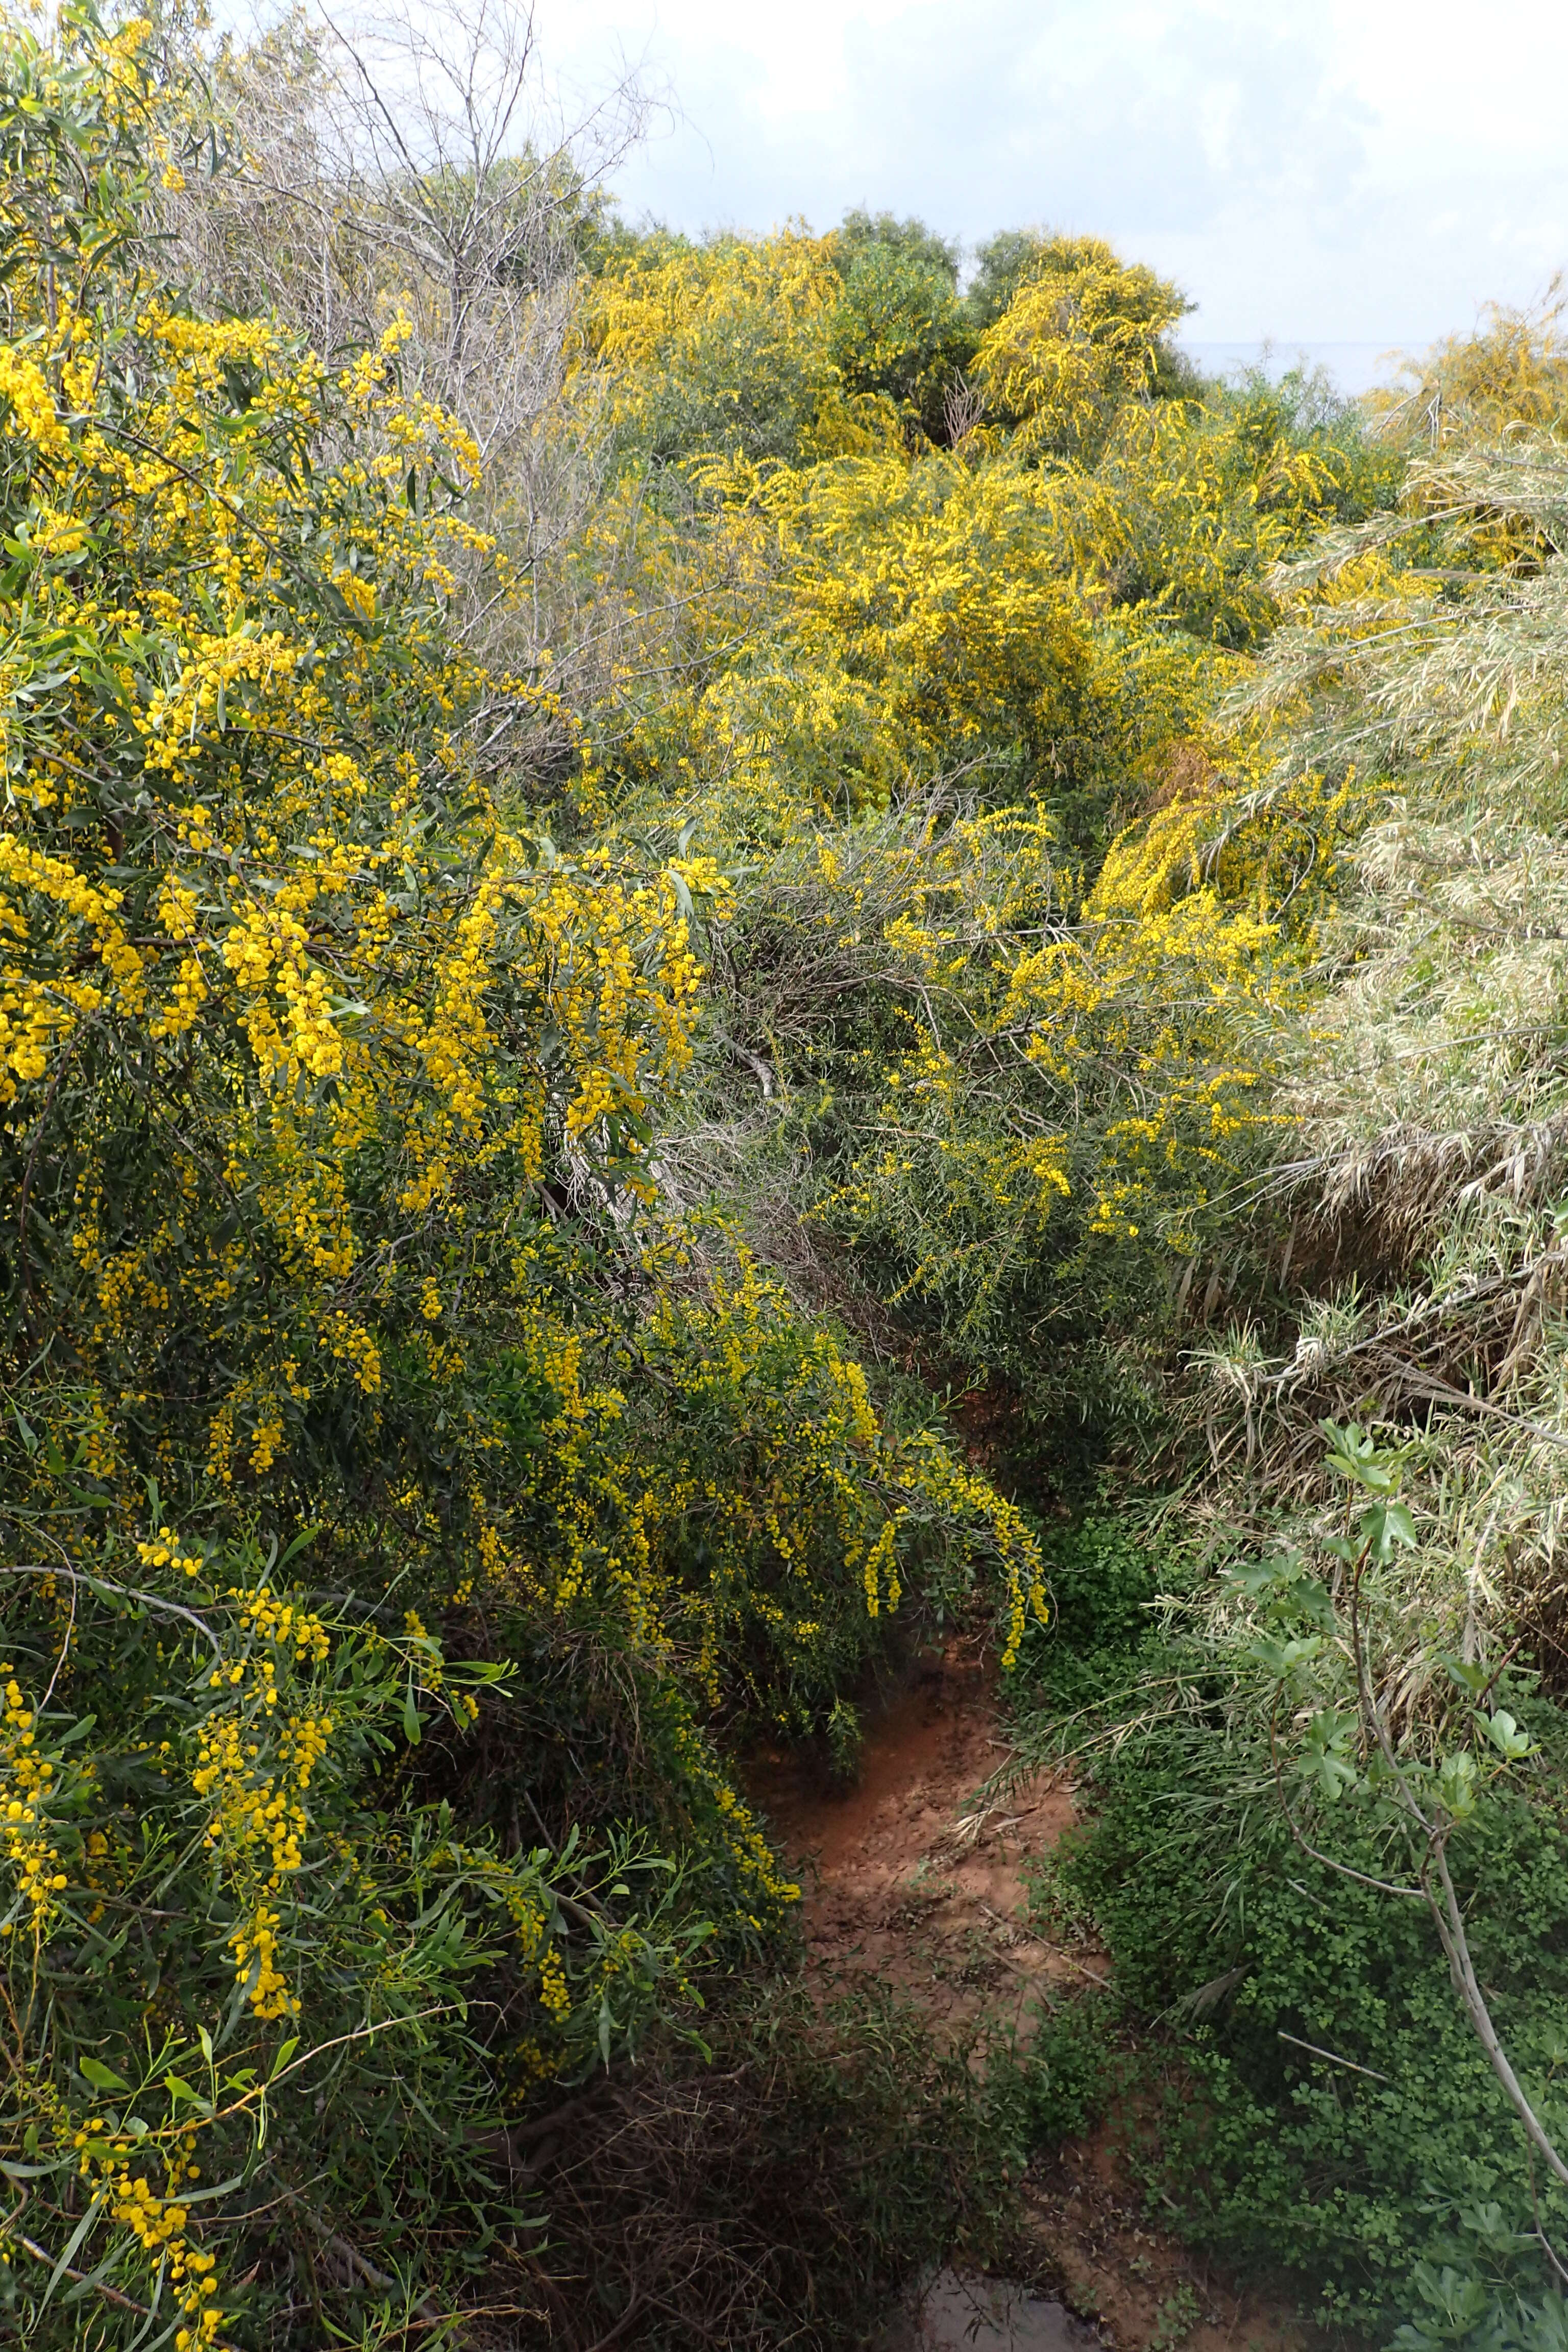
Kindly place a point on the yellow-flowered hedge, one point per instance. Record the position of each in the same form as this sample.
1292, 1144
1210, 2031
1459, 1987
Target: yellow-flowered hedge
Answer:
343, 1344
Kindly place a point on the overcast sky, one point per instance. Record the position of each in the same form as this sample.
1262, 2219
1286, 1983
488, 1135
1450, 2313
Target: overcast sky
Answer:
1315, 171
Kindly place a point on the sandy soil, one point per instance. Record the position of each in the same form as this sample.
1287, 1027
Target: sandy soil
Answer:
912, 1876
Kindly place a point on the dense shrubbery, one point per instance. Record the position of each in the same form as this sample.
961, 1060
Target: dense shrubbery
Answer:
1326, 2105
1329, 2107
1022, 916
343, 1336
590, 814
784, 2183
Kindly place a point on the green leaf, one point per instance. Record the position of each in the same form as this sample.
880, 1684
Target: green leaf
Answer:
1384, 1525
1468, 1675
72, 2243
305, 1536
285, 2054
1312, 1600
1355, 1454
1327, 1760
1457, 1779
1280, 1660
1506, 1735
410, 1718
102, 2077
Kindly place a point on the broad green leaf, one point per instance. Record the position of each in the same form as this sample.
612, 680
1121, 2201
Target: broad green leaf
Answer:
1506, 1735
102, 2077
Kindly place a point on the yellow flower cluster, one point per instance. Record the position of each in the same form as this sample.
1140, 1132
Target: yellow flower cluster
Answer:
159, 2223
163, 1550
553, 1991
25, 390
25, 1792
253, 1766
255, 1949
33, 1016
284, 1623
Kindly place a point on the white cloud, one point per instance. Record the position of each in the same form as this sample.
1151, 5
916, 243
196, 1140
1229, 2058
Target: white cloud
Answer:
1319, 170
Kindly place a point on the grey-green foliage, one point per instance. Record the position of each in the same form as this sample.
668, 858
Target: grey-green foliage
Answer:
1423, 1152
1415, 1216
937, 258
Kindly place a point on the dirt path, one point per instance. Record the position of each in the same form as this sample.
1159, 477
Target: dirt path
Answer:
908, 1876
904, 1875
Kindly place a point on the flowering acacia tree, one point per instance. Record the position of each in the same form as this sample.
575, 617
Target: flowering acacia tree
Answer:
308, 1061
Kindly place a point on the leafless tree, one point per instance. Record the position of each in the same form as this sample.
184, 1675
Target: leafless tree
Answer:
422, 160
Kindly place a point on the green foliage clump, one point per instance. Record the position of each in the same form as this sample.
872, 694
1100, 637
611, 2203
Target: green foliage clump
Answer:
1363, 473
1001, 263
1328, 2108
1105, 1570
900, 329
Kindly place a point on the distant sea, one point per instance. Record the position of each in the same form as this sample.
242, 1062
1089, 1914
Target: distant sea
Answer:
1355, 367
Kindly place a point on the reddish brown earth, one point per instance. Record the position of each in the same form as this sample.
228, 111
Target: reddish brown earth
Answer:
910, 1875
917, 1875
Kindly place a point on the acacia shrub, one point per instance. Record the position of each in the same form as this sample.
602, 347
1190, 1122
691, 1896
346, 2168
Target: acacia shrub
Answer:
328, 1105
721, 347
1026, 1083
1079, 338
892, 603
